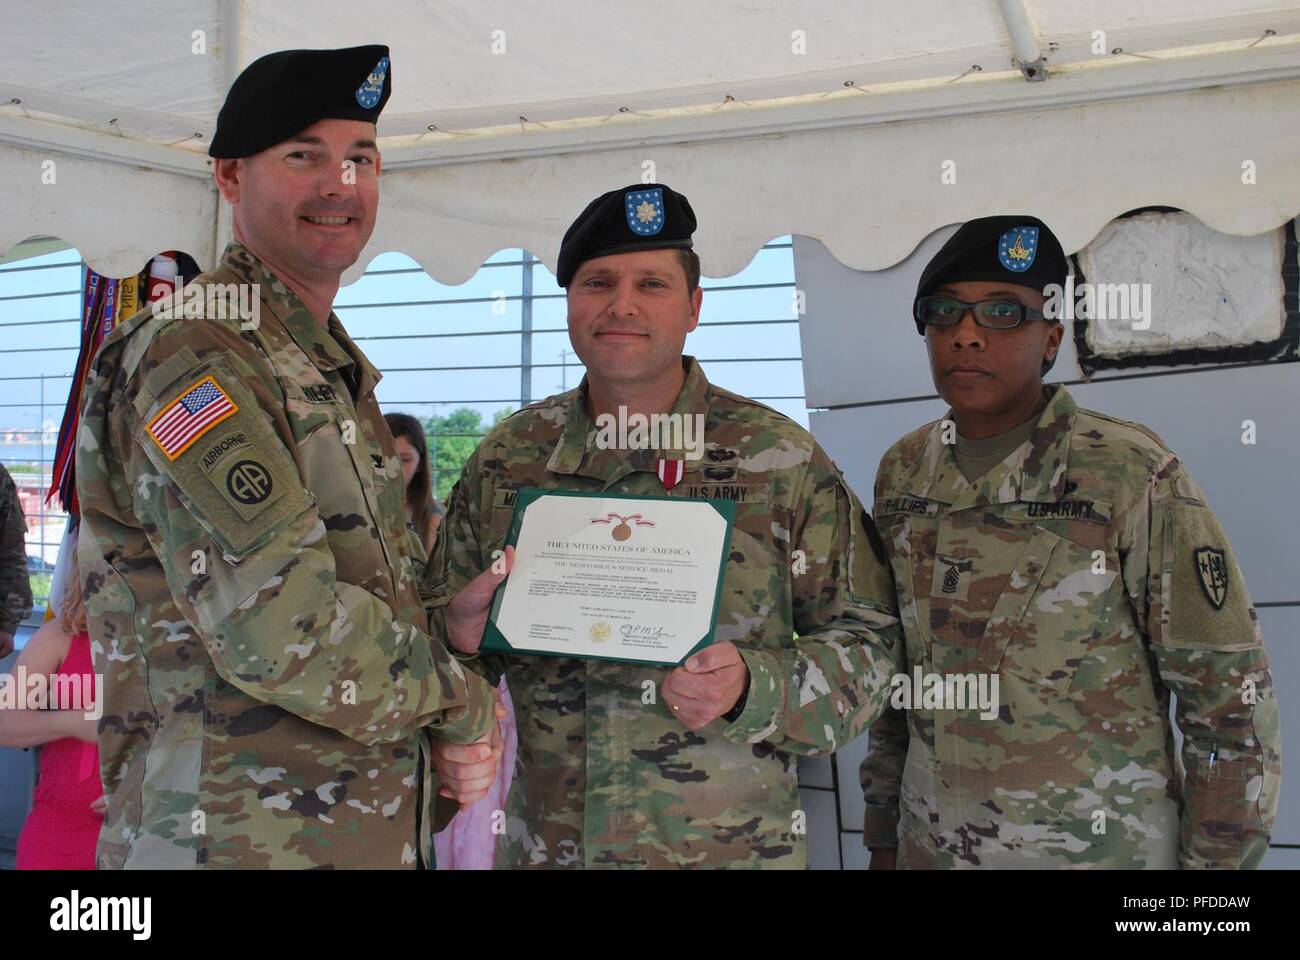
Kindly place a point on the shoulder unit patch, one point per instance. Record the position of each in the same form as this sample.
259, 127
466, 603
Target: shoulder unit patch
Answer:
1212, 568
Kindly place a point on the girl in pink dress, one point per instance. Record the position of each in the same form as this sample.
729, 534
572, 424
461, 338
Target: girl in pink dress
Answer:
68, 805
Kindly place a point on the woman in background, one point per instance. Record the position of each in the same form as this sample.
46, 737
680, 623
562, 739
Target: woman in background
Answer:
68, 805
467, 843
423, 514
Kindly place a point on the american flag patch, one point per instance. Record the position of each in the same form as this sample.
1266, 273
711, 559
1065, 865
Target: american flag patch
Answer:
190, 416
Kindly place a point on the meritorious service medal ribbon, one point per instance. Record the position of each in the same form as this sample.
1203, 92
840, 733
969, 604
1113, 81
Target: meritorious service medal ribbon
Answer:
670, 472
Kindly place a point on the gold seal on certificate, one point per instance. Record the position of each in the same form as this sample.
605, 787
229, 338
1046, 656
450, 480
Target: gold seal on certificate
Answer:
608, 577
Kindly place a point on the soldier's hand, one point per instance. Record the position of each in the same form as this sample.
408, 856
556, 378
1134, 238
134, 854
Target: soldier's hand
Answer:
468, 770
707, 686
467, 613
883, 858
6, 644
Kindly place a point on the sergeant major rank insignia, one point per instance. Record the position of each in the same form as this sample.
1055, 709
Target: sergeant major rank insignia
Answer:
368, 93
1017, 248
1212, 567
645, 211
951, 578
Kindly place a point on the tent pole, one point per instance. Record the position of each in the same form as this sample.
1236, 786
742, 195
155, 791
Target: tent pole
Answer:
231, 50
1028, 57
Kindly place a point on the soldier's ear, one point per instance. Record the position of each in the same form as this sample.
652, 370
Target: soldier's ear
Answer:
697, 300
229, 174
1052, 347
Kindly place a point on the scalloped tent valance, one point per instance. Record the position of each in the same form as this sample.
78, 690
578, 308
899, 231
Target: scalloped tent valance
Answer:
866, 130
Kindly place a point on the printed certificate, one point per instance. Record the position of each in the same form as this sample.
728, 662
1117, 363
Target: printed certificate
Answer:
609, 577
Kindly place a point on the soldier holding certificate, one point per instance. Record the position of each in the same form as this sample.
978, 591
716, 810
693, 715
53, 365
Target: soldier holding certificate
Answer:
636, 764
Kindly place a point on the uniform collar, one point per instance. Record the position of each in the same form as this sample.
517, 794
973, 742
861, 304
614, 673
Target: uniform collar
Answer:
1035, 472
576, 453
323, 348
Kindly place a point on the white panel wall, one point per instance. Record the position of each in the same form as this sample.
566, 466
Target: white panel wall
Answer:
865, 362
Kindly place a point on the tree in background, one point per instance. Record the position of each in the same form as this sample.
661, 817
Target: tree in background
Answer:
451, 440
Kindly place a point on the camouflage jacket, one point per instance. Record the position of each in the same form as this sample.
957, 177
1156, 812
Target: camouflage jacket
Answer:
251, 587
604, 779
15, 583
1088, 574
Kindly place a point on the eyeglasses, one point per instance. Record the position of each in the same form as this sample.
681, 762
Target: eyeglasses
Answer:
991, 314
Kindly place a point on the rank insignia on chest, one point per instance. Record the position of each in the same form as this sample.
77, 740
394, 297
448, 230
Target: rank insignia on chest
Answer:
187, 418
670, 472
1212, 568
951, 578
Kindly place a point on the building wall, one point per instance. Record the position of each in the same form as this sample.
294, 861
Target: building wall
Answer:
866, 367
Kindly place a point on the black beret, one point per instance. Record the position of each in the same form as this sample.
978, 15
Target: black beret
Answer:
644, 216
1018, 250
284, 93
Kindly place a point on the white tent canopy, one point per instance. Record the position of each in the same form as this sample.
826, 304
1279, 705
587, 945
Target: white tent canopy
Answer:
842, 120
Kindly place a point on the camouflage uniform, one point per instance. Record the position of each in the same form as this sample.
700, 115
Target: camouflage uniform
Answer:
1006, 575
253, 601
603, 779
15, 584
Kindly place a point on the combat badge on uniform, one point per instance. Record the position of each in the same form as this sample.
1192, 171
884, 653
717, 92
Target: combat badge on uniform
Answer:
368, 93
1212, 567
1017, 248
187, 418
645, 211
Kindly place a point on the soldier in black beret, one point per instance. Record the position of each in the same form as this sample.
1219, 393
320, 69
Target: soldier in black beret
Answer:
648, 216
273, 530
284, 93
739, 708
996, 271
1017, 251
1068, 560
298, 126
